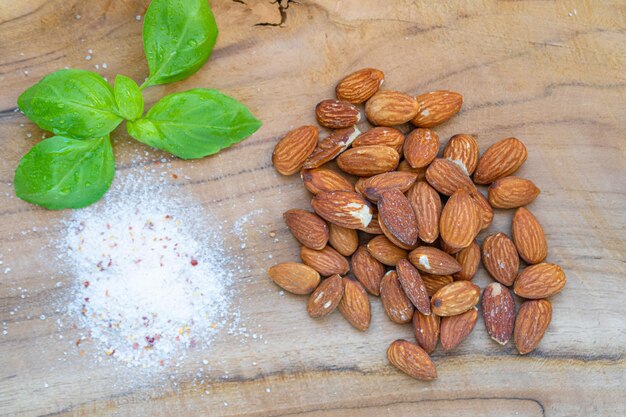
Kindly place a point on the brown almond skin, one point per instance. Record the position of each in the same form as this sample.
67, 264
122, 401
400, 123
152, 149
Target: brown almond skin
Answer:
413, 285
294, 148
434, 261
324, 180
426, 204
355, 305
395, 302
331, 146
384, 251
447, 177
398, 217
426, 329
392, 238
462, 149
437, 107
404, 166
532, 321
360, 85
345, 241
390, 108
499, 160
512, 192
326, 297
307, 227
337, 114
486, 212
454, 329
455, 298
374, 227
498, 308
447, 248
382, 135
366, 161
326, 261
500, 258
540, 281
421, 147
343, 208
460, 220
367, 270
373, 187
434, 283
469, 258
412, 360
529, 237
295, 277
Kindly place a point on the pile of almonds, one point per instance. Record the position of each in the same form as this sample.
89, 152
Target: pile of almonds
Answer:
418, 217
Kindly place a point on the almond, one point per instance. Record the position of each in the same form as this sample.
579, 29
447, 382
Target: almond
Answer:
426, 205
326, 297
398, 217
426, 329
498, 312
337, 114
469, 258
294, 148
395, 302
500, 258
343, 208
486, 212
326, 261
384, 251
437, 107
532, 321
447, 177
421, 147
529, 237
540, 281
331, 146
319, 180
413, 286
392, 238
404, 166
360, 85
499, 160
295, 277
512, 192
307, 227
374, 227
355, 305
454, 329
455, 298
462, 149
373, 187
345, 241
366, 161
367, 270
460, 220
434, 283
434, 261
412, 360
390, 108
383, 135
447, 248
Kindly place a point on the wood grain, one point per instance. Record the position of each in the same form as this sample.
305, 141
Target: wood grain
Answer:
549, 73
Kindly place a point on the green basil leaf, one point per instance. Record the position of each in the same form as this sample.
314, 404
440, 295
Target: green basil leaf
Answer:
178, 38
60, 172
128, 98
73, 103
194, 123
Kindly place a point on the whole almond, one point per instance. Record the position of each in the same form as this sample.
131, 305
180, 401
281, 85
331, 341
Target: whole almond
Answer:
447, 177
367, 270
295, 277
319, 180
437, 107
413, 286
486, 212
455, 298
337, 114
383, 135
426, 329
540, 281
366, 161
294, 148
395, 302
433, 261
374, 227
454, 329
343, 208
355, 305
426, 204
434, 283
326, 297
512, 192
331, 146
469, 258
499, 160
460, 220
373, 187
398, 217
532, 321
390, 108
404, 166
498, 312
412, 360
307, 227
384, 251
462, 149
421, 147
529, 237
500, 258
345, 241
326, 261
360, 85
392, 238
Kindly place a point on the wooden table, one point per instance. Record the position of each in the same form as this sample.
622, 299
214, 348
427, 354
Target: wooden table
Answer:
550, 73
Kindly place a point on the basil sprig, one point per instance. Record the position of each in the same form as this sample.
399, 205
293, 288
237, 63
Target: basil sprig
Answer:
76, 167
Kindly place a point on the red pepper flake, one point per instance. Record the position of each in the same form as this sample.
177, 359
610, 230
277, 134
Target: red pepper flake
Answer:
194, 262
175, 176
86, 284
135, 345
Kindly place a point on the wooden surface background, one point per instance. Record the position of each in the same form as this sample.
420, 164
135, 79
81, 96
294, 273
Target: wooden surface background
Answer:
549, 72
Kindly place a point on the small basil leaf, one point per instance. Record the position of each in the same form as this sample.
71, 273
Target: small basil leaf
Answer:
73, 103
178, 37
60, 172
194, 123
128, 98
